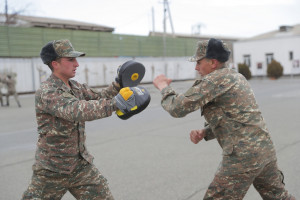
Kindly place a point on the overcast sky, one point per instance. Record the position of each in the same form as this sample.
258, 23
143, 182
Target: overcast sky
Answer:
232, 18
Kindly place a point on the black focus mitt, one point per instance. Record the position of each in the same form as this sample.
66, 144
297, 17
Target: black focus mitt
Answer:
130, 74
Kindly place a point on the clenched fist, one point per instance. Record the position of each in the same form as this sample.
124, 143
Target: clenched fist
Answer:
197, 135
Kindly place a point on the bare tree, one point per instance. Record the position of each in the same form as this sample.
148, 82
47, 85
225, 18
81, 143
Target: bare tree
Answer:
10, 18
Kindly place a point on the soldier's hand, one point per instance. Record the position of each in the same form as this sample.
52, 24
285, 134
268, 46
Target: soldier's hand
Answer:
161, 81
197, 135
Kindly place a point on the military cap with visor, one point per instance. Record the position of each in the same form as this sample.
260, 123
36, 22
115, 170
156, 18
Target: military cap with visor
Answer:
212, 49
58, 49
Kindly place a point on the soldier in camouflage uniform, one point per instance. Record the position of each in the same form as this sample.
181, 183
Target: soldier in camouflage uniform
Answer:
227, 102
10, 81
1, 95
62, 162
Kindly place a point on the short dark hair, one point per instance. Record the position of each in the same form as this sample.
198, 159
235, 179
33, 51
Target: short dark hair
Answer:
50, 63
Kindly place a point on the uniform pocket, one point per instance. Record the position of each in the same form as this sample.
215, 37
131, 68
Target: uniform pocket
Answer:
228, 150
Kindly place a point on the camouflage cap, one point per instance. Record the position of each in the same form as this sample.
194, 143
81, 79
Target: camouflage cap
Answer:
200, 52
213, 49
58, 49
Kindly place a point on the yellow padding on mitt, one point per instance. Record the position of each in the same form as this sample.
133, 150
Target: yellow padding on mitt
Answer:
134, 108
119, 113
134, 76
126, 93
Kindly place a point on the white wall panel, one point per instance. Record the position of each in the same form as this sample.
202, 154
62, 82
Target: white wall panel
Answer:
95, 71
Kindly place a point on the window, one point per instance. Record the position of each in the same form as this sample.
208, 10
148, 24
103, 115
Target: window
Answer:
291, 55
259, 65
269, 58
296, 63
247, 60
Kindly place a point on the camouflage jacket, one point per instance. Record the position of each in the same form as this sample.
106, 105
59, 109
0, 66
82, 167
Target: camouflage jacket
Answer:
11, 85
227, 102
61, 113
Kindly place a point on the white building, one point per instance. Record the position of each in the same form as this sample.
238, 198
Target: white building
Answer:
282, 45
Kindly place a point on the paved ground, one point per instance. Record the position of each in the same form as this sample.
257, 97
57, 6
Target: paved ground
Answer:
150, 156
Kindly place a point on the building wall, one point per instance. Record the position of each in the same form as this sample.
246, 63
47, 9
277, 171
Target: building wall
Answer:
20, 48
27, 42
30, 72
280, 47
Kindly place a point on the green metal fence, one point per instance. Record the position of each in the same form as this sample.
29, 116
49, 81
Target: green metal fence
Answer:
27, 42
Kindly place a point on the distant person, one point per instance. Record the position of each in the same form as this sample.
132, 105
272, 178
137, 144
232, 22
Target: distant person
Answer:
62, 162
1, 94
232, 116
11, 89
1, 99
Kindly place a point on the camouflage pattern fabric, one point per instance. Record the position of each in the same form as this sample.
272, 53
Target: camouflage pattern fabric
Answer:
61, 113
227, 102
1, 99
11, 90
64, 48
85, 182
268, 181
1, 85
11, 85
200, 52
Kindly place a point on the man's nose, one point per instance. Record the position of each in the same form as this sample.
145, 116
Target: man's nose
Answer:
76, 63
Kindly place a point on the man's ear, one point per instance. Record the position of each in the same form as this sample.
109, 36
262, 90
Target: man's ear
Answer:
54, 64
214, 63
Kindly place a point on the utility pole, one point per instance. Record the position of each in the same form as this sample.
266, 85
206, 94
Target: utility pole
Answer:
166, 3
6, 12
153, 21
166, 9
165, 29
196, 29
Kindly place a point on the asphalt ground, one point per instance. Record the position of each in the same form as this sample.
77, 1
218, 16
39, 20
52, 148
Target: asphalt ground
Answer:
150, 155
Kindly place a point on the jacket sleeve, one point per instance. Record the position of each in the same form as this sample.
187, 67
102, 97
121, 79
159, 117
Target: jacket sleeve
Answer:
178, 105
202, 92
209, 135
94, 94
64, 105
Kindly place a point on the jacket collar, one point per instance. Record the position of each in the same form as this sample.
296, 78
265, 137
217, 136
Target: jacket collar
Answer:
59, 83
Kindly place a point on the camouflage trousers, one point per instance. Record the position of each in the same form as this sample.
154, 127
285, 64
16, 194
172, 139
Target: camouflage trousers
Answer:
84, 183
1, 99
15, 96
268, 181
